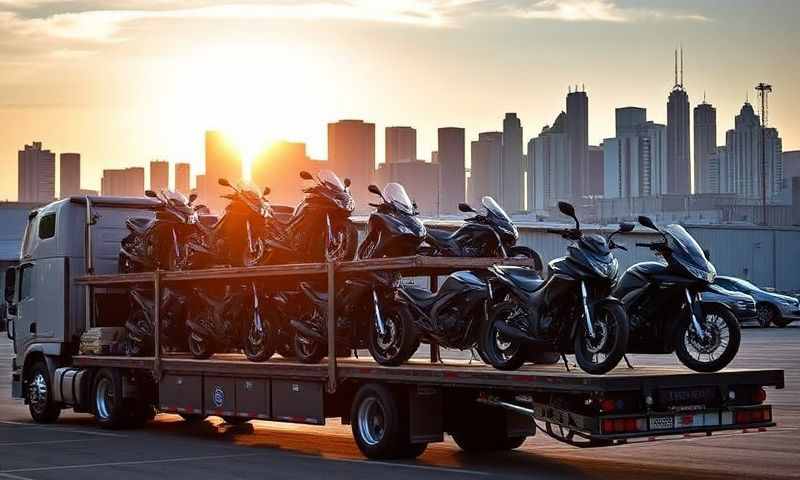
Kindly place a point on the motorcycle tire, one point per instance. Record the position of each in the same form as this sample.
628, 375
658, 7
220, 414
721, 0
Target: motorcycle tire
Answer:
133, 347
258, 346
722, 317
199, 347
611, 325
308, 350
400, 342
502, 355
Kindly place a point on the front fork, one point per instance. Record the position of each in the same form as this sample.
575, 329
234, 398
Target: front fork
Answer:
379, 324
696, 311
587, 316
256, 310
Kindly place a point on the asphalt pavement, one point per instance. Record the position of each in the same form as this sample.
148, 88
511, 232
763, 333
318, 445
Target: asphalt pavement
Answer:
75, 448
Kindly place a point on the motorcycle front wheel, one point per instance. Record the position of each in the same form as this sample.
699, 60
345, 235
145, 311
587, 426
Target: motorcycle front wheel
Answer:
200, 347
308, 349
258, 343
399, 341
717, 348
498, 351
600, 354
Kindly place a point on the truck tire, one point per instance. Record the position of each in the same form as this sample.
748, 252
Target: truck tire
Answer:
110, 409
40, 395
379, 428
489, 440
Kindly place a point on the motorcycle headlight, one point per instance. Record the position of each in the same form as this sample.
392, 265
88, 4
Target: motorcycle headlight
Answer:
702, 274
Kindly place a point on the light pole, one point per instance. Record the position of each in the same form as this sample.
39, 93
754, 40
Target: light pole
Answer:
764, 90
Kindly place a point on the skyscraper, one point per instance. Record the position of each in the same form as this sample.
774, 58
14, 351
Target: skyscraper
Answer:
451, 171
36, 174
351, 154
183, 174
278, 168
678, 163
487, 157
548, 175
705, 144
634, 162
595, 171
159, 175
512, 168
69, 166
628, 120
401, 144
222, 161
126, 182
578, 142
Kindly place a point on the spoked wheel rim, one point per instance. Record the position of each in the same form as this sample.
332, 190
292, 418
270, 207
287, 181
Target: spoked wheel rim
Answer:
713, 344
256, 340
504, 347
308, 346
104, 398
37, 393
197, 345
371, 421
598, 346
389, 343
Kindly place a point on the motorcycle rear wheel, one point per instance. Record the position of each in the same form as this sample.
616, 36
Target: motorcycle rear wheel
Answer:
724, 331
601, 354
200, 348
500, 352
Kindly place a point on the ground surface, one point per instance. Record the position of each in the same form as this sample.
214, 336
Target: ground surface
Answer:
169, 448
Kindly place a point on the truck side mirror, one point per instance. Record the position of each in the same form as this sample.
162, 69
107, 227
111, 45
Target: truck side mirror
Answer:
10, 285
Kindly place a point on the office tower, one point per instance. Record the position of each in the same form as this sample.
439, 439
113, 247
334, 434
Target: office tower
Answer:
595, 171
183, 174
126, 182
159, 175
705, 143
578, 142
420, 179
401, 144
69, 166
628, 120
715, 171
452, 181
36, 174
512, 168
278, 167
678, 163
548, 156
635, 162
222, 160
351, 154
487, 157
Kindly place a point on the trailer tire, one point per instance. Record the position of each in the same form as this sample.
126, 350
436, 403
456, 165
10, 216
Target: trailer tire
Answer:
40, 395
378, 428
110, 409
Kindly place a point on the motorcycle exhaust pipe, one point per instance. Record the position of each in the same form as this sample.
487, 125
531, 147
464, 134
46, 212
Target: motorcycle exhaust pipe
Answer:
302, 328
517, 334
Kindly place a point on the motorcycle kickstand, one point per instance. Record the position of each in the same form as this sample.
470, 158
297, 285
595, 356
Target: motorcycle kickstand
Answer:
471, 356
627, 362
566, 363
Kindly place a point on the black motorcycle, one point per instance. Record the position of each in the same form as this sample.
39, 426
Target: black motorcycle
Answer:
218, 319
570, 312
367, 313
159, 243
665, 307
491, 234
140, 326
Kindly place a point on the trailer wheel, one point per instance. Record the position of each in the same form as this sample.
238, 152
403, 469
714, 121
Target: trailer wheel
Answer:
109, 408
378, 428
40, 395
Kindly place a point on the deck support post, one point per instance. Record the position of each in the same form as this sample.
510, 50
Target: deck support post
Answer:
331, 270
157, 326
436, 356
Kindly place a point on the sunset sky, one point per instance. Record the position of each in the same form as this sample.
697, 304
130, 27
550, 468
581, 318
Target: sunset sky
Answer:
126, 81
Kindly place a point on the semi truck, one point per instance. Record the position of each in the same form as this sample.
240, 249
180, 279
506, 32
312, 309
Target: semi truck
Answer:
67, 283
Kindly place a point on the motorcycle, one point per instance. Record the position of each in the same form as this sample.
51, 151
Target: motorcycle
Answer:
570, 312
665, 306
140, 325
366, 311
159, 243
492, 234
218, 319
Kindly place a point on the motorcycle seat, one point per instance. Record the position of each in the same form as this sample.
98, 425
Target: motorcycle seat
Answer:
420, 296
140, 224
439, 237
524, 278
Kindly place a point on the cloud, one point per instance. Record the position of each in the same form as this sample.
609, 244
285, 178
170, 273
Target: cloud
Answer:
593, 11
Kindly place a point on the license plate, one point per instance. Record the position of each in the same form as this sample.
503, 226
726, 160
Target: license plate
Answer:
662, 423
686, 396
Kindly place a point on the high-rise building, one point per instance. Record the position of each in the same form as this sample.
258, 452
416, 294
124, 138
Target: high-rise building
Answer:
401, 144
159, 175
126, 182
578, 142
452, 181
420, 179
549, 179
222, 160
183, 174
705, 144
595, 171
628, 120
36, 174
69, 171
351, 154
513, 170
634, 162
487, 157
278, 167
678, 161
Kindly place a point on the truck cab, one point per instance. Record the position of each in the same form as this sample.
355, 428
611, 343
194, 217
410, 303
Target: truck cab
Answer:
46, 312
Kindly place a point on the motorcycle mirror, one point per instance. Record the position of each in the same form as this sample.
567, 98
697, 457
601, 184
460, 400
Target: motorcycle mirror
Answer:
375, 190
224, 182
347, 183
266, 191
305, 175
567, 209
626, 227
150, 193
647, 222
463, 207
192, 197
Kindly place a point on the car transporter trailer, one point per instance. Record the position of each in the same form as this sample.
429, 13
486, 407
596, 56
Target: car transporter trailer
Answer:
396, 411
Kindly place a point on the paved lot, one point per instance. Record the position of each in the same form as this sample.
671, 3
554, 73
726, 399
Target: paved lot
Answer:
169, 448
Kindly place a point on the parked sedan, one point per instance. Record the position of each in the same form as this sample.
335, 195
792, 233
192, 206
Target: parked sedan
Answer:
780, 310
741, 304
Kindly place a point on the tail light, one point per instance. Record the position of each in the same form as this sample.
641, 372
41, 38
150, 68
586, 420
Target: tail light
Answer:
760, 395
624, 425
757, 415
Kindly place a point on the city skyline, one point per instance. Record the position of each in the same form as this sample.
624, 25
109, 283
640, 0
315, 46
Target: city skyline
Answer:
124, 87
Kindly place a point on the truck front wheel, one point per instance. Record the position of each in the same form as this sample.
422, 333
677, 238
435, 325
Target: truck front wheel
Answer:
40, 395
379, 429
